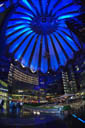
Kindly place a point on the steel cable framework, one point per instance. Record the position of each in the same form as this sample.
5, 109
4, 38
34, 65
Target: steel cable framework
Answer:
37, 34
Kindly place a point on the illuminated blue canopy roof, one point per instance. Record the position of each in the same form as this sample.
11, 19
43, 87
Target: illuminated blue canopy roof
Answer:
38, 36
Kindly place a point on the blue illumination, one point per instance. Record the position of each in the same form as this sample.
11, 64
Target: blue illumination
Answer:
17, 34
44, 62
44, 5
67, 16
37, 33
83, 121
36, 3
1, 9
27, 4
24, 11
60, 5
14, 1
69, 40
74, 115
68, 10
53, 60
28, 53
35, 59
60, 53
17, 23
24, 28
76, 39
18, 42
7, 4
51, 4
23, 46
26, 18
65, 46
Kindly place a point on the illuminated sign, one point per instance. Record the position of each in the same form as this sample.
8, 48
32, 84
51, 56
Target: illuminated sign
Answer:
3, 83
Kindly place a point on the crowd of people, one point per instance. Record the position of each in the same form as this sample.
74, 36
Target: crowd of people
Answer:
15, 107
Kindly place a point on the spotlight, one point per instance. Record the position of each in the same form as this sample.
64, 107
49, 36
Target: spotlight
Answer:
22, 66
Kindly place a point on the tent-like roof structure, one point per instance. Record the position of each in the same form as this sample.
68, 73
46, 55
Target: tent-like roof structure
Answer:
37, 34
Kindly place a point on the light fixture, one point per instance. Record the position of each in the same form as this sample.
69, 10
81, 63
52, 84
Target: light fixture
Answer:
22, 65
1, 4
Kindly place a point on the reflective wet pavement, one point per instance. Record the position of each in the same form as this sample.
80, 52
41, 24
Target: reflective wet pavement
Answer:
40, 121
